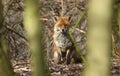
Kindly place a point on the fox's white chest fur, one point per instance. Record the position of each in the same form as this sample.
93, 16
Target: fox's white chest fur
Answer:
62, 39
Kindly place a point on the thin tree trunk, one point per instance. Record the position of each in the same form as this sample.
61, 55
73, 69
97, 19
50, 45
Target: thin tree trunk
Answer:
35, 33
5, 65
119, 16
119, 25
99, 38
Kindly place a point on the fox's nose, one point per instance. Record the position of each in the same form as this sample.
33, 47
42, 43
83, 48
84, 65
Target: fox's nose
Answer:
63, 30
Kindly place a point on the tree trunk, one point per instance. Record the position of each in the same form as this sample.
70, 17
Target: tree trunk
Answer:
119, 16
99, 38
119, 28
35, 32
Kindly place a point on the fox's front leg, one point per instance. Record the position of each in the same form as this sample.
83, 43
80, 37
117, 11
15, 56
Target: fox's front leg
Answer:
68, 56
57, 55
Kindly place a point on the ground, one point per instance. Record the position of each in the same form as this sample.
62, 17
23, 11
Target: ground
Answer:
23, 68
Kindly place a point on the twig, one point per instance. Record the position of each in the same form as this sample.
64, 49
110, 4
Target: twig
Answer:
77, 22
82, 31
76, 48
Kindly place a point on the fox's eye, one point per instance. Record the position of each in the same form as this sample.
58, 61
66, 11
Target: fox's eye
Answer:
66, 26
58, 29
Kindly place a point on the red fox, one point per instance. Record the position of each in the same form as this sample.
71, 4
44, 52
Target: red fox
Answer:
63, 47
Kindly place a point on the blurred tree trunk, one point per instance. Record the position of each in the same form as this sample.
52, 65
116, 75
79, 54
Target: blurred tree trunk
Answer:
119, 16
99, 38
35, 33
5, 65
119, 24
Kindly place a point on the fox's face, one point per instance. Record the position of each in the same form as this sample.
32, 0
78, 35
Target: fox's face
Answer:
61, 25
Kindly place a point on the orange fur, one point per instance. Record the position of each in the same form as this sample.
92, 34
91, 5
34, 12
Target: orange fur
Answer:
62, 23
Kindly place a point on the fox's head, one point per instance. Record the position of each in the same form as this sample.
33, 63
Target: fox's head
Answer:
61, 25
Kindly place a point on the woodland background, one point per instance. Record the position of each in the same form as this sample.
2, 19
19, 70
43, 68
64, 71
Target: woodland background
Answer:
17, 39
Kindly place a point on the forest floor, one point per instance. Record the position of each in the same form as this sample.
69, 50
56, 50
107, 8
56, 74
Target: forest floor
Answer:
23, 68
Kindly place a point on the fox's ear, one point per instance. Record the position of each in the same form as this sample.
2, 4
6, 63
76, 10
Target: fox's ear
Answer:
68, 18
56, 19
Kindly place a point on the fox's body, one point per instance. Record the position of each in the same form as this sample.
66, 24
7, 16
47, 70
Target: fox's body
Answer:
63, 47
